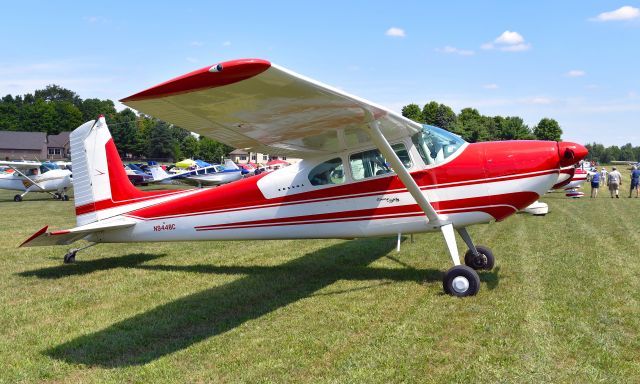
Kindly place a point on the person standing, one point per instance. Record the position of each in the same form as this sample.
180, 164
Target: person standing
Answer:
614, 181
603, 175
635, 180
595, 184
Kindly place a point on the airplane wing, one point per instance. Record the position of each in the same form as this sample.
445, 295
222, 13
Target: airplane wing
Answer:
262, 107
22, 165
68, 236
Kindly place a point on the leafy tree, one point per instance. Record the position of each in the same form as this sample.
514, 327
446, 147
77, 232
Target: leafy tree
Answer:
39, 116
92, 108
430, 113
68, 117
445, 117
189, 146
511, 128
471, 126
413, 112
160, 141
55, 93
548, 129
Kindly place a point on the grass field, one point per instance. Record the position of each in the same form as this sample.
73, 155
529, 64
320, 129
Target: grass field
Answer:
560, 306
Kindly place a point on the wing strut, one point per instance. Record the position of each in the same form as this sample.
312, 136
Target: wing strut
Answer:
434, 219
33, 182
385, 148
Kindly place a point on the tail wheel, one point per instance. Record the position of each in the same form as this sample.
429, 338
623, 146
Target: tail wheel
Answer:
484, 259
461, 281
17, 198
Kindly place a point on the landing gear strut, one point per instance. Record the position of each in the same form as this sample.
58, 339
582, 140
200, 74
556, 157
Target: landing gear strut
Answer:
463, 280
70, 257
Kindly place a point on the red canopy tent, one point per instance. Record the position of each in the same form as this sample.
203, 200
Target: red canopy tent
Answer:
277, 162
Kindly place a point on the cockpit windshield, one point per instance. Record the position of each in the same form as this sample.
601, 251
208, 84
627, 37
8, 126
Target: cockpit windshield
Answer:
435, 144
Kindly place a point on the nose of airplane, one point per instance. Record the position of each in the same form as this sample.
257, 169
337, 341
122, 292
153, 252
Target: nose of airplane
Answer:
571, 153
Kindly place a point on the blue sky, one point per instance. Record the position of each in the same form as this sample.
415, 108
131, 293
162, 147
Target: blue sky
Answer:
575, 61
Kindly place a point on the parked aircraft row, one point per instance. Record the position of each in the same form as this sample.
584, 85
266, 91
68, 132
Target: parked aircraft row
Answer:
366, 171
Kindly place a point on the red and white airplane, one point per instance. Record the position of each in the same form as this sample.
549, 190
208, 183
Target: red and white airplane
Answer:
366, 171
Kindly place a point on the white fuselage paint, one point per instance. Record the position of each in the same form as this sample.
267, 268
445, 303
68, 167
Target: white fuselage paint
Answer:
183, 227
55, 180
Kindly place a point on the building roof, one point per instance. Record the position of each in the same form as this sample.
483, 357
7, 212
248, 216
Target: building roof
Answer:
59, 140
238, 152
23, 140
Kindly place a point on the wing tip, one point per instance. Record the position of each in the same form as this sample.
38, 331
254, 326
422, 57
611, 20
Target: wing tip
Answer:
34, 236
227, 72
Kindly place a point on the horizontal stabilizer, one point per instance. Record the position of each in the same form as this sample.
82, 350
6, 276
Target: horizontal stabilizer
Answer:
68, 236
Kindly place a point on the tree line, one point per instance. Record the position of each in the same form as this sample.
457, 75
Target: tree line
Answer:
56, 109
474, 127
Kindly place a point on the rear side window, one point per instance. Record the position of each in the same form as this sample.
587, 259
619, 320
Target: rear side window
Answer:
329, 172
372, 163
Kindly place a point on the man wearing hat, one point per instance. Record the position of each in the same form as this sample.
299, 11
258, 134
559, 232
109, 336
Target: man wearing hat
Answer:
614, 180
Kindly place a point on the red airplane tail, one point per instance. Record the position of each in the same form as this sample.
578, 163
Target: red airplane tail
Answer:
101, 186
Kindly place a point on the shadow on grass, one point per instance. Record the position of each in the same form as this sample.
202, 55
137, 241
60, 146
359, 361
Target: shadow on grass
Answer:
183, 322
81, 267
491, 278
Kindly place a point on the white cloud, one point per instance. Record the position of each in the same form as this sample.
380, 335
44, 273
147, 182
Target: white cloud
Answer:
509, 38
623, 13
508, 41
395, 32
490, 86
196, 43
226, 44
457, 51
632, 94
192, 60
576, 73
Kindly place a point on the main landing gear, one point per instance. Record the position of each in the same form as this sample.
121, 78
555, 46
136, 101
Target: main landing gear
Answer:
463, 280
60, 196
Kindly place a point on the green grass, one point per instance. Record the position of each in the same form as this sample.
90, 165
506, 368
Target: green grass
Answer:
560, 306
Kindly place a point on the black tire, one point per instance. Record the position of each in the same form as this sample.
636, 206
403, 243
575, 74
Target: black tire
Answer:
56, 196
485, 261
17, 198
461, 281
70, 258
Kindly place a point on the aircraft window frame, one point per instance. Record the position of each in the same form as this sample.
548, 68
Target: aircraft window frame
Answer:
328, 169
444, 145
389, 171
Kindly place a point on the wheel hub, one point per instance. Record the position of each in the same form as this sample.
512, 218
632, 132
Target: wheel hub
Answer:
460, 284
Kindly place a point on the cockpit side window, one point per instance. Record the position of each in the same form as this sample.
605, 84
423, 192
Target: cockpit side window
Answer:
372, 163
328, 172
435, 145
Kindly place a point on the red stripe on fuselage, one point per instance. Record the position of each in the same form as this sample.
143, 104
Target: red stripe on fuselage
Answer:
505, 161
500, 207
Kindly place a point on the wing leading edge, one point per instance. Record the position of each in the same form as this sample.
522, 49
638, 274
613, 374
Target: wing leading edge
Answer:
259, 106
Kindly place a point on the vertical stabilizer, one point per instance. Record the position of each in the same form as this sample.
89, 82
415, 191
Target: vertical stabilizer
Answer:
101, 186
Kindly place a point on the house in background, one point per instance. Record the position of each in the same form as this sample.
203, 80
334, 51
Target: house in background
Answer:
58, 146
17, 145
23, 145
240, 156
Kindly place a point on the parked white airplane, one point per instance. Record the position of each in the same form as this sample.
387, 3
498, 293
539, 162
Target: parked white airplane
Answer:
210, 175
35, 176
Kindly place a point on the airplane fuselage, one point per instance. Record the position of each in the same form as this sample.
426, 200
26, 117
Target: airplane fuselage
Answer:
481, 183
55, 180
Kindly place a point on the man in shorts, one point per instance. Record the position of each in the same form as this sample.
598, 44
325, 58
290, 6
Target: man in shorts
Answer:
614, 180
635, 180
